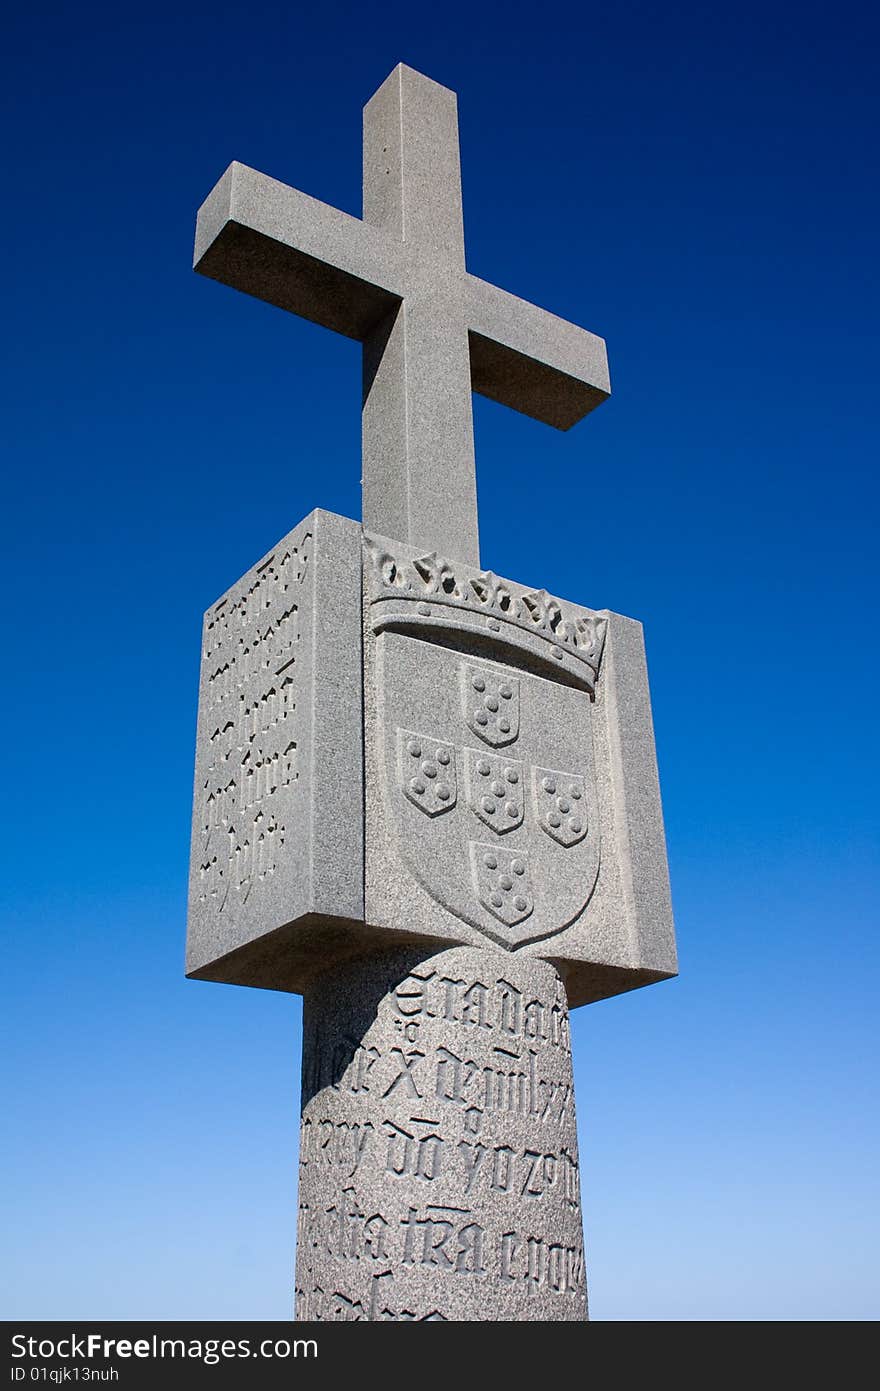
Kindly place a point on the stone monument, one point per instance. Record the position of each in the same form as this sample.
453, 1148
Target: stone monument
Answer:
425, 797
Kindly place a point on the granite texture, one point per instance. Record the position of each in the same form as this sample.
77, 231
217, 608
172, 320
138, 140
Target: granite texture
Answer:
277, 836
426, 797
396, 281
439, 1171
487, 777
541, 829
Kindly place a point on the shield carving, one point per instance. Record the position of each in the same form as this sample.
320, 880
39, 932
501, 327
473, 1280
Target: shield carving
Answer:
427, 772
501, 879
560, 805
491, 704
495, 789
426, 707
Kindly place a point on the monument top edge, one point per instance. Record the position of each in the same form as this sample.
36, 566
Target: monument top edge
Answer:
405, 71
435, 573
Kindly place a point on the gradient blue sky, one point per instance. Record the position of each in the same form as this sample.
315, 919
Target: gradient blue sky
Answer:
697, 184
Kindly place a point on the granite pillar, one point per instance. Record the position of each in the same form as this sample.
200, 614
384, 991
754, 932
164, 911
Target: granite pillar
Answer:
425, 794
438, 1155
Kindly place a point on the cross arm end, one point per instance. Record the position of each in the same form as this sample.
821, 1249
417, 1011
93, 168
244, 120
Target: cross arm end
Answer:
529, 359
214, 213
271, 241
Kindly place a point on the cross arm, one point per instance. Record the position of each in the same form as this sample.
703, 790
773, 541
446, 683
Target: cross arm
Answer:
527, 358
271, 241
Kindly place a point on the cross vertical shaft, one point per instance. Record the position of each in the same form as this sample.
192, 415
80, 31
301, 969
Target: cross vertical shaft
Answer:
424, 797
412, 170
395, 280
419, 476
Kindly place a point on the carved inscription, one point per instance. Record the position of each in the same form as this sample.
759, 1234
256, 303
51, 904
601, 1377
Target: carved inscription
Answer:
439, 1237
532, 1174
411, 1154
467, 1168
536, 1262
498, 1006
338, 1145
376, 1306
249, 696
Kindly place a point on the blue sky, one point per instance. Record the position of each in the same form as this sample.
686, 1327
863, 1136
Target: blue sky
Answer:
697, 185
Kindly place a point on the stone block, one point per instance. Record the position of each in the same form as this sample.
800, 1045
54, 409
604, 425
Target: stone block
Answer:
277, 842
511, 784
395, 749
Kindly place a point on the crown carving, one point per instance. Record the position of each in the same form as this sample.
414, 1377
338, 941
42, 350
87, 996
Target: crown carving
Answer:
420, 590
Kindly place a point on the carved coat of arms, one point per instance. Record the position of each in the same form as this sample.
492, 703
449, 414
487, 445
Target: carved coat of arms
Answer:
488, 759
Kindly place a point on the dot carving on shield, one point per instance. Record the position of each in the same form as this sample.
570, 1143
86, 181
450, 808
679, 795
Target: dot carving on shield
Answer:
427, 772
560, 805
495, 789
490, 702
502, 882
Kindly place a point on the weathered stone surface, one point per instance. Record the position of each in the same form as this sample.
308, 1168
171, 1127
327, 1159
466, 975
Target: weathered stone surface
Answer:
396, 280
542, 830
277, 838
498, 784
438, 1155
425, 796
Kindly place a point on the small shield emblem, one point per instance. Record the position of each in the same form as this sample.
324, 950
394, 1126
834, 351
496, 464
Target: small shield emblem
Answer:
502, 882
495, 789
490, 702
560, 805
427, 772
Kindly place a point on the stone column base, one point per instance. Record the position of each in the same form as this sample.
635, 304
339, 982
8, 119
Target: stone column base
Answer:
438, 1160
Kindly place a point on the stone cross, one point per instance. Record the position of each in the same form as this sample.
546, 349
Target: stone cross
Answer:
425, 797
397, 282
